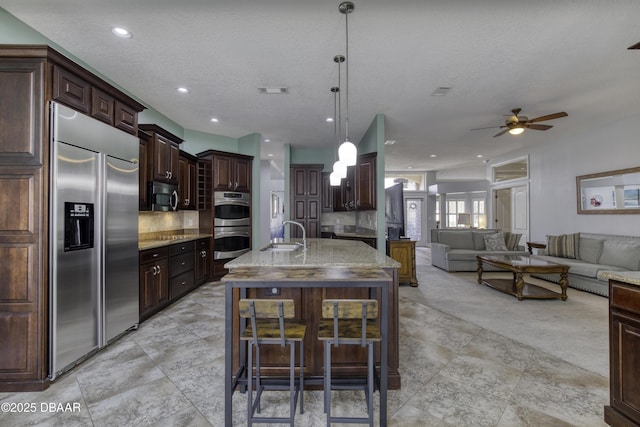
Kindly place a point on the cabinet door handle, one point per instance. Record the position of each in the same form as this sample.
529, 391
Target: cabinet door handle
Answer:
155, 271
156, 255
183, 283
229, 186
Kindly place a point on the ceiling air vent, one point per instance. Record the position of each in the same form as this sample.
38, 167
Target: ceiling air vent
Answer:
442, 91
273, 90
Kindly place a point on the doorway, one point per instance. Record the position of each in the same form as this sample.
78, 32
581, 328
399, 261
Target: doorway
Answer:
415, 219
511, 210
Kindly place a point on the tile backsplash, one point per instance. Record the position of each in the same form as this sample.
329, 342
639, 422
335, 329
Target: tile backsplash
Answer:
150, 222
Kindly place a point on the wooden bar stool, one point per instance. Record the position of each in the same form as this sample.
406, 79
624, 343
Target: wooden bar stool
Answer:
272, 322
349, 322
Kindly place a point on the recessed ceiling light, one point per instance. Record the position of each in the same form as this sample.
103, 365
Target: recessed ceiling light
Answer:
409, 167
269, 155
390, 142
121, 32
182, 89
273, 90
479, 156
433, 155
215, 120
267, 140
329, 120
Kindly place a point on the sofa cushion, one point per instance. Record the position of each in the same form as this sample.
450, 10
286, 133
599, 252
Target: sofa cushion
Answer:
461, 239
478, 238
590, 249
621, 253
512, 240
470, 255
563, 246
495, 242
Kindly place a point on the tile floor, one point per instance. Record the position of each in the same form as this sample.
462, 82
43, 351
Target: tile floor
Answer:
169, 373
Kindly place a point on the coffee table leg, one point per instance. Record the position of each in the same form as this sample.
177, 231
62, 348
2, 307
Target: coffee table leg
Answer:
519, 285
564, 282
479, 272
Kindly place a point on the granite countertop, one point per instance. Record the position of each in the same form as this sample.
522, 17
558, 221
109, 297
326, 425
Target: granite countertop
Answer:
631, 277
158, 240
319, 253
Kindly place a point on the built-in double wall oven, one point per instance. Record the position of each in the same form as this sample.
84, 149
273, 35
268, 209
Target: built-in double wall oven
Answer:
232, 221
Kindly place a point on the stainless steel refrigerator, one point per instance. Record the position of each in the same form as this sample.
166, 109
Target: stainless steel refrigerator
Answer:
94, 236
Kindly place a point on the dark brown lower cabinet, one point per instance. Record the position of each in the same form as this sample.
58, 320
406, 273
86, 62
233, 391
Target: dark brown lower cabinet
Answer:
203, 266
624, 350
154, 281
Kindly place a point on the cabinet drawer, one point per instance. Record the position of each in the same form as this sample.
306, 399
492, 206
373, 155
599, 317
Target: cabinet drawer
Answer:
202, 245
181, 284
151, 255
180, 263
625, 297
181, 248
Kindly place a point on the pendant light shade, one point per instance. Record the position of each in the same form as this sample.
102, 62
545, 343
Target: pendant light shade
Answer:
334, 179
340, 169
348, 154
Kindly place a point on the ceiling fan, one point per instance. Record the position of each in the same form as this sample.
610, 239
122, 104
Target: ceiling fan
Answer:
515, 124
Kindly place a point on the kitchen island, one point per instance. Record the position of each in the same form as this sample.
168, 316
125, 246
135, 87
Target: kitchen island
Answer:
329, 268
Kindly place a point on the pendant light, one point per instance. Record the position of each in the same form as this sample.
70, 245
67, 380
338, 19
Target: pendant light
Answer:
347, 153
339, 168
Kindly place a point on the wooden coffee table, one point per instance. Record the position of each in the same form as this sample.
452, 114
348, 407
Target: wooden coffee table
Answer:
520, 265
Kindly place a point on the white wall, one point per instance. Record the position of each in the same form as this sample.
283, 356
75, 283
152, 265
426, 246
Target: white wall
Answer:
553, 168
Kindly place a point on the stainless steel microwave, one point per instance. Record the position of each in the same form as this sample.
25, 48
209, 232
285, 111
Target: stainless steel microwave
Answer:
162, 196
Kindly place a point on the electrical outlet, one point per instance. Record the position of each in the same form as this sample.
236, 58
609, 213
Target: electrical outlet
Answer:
272, 292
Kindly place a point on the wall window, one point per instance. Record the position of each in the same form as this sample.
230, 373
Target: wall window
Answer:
454, 207
479, 213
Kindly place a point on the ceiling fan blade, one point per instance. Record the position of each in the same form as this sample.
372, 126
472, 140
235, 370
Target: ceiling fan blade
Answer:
502, 132
489, 127
548, 117
538, 127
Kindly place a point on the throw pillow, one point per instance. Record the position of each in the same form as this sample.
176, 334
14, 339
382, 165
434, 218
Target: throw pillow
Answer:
563, 246
478, 239
495, 242
590, 249
622, 254
511, 240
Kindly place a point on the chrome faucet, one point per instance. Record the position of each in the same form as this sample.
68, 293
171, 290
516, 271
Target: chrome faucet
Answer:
304, 234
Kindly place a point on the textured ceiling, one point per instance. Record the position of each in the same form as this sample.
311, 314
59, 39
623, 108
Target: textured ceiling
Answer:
542, 56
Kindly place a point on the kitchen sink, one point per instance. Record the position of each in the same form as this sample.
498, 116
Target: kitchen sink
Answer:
281, 247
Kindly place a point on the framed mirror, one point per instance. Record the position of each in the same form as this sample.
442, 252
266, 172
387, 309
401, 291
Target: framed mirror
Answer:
613, 192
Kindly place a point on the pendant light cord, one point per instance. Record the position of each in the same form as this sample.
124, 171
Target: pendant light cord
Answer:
346, 116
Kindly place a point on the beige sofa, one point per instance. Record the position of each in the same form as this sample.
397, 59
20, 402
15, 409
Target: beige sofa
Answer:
456, 249
592, 255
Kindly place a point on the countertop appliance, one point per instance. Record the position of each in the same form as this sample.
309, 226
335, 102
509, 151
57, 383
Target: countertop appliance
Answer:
163, 196
232, 220
94, 236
